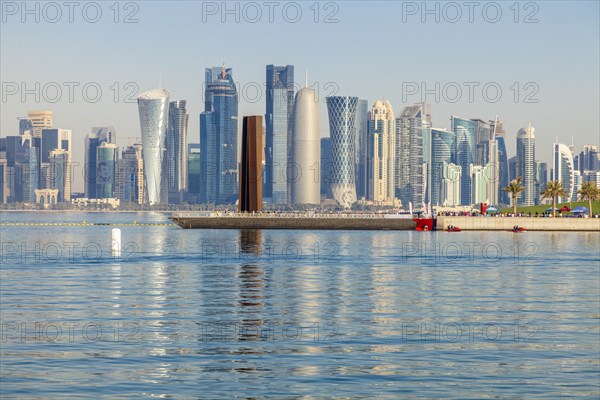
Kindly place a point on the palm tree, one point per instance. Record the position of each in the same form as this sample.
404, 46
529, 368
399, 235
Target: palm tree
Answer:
514, 188
554, 189
589, 191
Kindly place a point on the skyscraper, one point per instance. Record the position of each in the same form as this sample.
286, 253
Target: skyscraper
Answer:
342, 117
451, 184
105, 170
129, 176
60, 173
218, 138
541, 177
27, 181
251, 165
480, 192
99, 135
442, 153
361, 152
194, 178
177, 151
563, 169
482, 140
40, 120
278, 120
4, 189
412, 126
382, 153
512, 170
326, 163
153, 107
588, 159
465, 130
503, 170
25, 126
526, 163
53, 139
306, 149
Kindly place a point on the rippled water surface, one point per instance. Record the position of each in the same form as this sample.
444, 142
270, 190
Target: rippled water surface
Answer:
253, 314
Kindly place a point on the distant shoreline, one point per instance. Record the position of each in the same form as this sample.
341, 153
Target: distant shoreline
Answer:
91, 211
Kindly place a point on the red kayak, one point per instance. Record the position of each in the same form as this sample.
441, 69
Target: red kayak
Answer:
518, 230
454, 229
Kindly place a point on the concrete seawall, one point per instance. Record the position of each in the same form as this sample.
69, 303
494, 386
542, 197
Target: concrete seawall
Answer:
529, 223
295, 223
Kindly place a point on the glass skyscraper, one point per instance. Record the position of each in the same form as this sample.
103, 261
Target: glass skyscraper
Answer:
99, 135
177, 151
361, 150
154, 109
526, 164
28, 179
503, 172
541, 178
326, 163
278, 121
218, 138
442, 152
105, 170
25, 126
60, 174
465, 130
342, 130
194, 178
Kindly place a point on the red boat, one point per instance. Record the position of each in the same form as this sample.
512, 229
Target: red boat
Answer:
424, 224
518, 229
454, 229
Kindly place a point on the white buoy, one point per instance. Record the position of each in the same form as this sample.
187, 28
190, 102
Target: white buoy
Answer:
115, 242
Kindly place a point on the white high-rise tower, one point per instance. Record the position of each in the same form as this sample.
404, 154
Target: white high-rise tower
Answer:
306, 149
154, 111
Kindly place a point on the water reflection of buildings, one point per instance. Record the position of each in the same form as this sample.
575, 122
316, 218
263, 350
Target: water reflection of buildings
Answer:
251, 285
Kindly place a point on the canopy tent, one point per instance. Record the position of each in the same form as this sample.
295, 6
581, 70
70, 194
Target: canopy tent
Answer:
492, 209
550, 209
580, 209
565, 208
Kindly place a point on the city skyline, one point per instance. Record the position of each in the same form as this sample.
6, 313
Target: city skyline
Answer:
546, 48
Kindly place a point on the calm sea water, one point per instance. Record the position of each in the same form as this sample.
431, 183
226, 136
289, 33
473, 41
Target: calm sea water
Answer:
254, 314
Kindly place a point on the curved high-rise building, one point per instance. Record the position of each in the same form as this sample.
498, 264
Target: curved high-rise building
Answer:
342, 118
306, 149
154, 111
526, 163
563, 169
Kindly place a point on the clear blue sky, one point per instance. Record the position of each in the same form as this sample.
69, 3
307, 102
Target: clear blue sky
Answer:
370, 52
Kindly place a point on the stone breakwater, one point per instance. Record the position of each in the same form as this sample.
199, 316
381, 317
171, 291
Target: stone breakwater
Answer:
529, 223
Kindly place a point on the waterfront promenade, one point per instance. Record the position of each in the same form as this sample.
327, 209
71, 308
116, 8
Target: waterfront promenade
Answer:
467, 223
